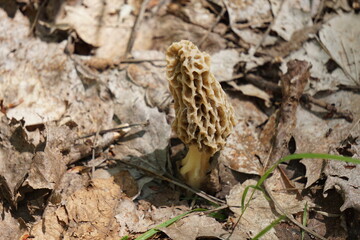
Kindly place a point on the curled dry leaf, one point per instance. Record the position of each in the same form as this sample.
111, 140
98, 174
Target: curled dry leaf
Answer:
16, 155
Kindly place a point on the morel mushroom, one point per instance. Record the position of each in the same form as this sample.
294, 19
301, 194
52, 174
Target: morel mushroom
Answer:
204, 117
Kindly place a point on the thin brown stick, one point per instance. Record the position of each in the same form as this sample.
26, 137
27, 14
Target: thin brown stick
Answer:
269, 27
329, 107
36, 19
217, 20
136, 27
352, 88
133, 60
237, 76
102, 132
173, 181
262, 83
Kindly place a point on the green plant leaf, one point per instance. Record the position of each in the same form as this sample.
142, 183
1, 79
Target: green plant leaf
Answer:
155, 229
304, 220
270, 226
285, 159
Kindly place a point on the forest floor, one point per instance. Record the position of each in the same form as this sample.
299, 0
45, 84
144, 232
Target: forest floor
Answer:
72, 71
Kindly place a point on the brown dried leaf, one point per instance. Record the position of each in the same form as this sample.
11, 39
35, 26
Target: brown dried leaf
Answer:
147, 147
138, 219
194, 226
100, 24
256, 13
222, 64
87, 213
194, 12
9, 227
292, 17
344, 177
243, 146
172, 29
342, 43
15, 158
257, 216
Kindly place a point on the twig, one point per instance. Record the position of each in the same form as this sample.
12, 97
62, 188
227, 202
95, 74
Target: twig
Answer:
269, 27
125, 126
173, 181
136, 27
331, 108
36, 19
262, 83
130, 60
319, 12
355, 89
237, 76
221, 14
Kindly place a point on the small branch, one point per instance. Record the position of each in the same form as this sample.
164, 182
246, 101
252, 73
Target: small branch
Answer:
263, 84
269, 27
125, 126
217, 20
36, 19
136, 27
352, 88
346, 114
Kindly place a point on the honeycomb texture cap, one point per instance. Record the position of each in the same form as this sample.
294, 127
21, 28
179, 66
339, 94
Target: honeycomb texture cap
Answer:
204, 116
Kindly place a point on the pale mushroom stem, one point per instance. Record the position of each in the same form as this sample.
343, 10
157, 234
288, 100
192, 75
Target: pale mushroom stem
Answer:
195, 166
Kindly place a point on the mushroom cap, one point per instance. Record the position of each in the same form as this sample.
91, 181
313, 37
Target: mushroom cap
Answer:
203, 114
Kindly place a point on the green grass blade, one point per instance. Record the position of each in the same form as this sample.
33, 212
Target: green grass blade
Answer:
246, 190
155, 229
304, 221
270, 226
285, 159
305, 155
